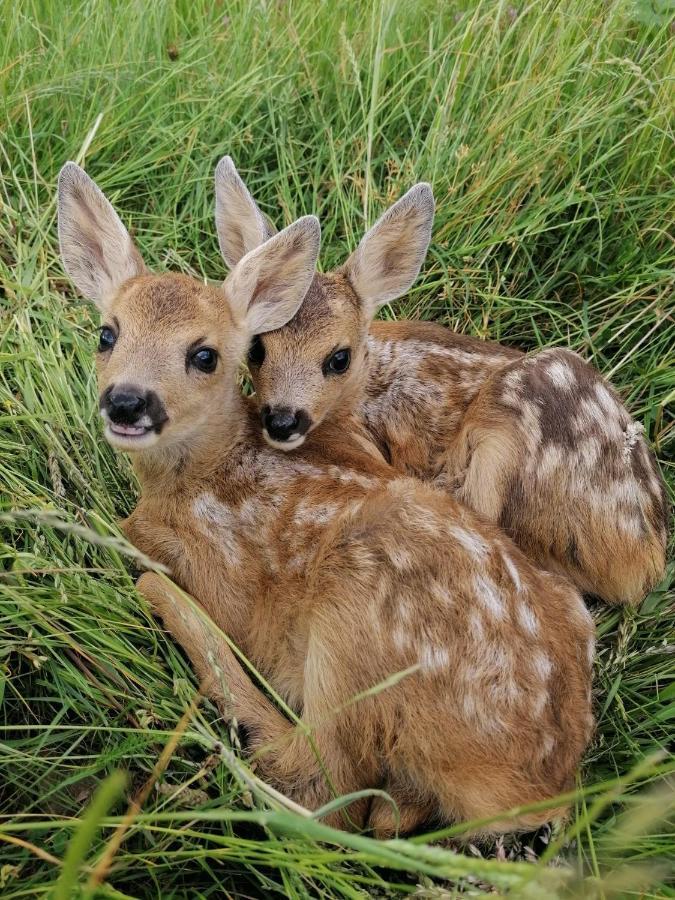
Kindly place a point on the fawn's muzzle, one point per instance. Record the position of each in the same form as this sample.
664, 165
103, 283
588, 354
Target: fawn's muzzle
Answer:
131, 412
285, 426
124, 408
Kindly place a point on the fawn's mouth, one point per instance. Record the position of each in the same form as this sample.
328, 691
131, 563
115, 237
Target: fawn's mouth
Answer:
130, 430
291, 443
140, 435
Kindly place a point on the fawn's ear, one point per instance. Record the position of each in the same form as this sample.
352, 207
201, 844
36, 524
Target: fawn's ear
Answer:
241, 226
97, 251
265, 289
390, 255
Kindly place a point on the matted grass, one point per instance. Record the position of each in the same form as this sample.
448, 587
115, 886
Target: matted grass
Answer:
546, 131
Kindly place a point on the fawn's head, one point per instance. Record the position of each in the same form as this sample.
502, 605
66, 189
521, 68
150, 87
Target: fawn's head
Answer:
316, 364
170, 345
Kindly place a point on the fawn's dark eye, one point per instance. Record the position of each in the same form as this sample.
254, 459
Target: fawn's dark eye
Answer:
337, 362
205, 359
106, 339
256, 352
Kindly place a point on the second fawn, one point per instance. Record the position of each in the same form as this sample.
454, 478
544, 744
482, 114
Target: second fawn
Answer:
540, 445
328, 569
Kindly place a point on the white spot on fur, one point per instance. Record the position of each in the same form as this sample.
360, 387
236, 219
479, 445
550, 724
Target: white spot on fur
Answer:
273, 469
469, 704
315, 514
542, 665
527, 618
561, 375
506, 690
487, 720
440, 592
401, 638
404, 606
495, 659
511, 398
347, 476
631, 525
400, 557
354, 507
217, 520
588, 451
530, 424
606, 400
298, 562
411, 349
471, 382
434, 658
594, 417
590, 651
476, 626
249, 511
489, 595
513, 379
551, 460
470, 540
487, 688
540, 702
209, 509
496, 672
513, 571
589, 415
306, 470
426, 521
624, 493
418, 517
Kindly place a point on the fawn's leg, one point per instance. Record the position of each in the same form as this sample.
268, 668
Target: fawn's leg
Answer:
285, 756
217, 668
414, 809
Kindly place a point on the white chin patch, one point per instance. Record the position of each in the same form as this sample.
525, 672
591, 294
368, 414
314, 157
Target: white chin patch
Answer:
293, 442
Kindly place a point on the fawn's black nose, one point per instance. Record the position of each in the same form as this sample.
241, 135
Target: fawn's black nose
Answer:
125, 407
283, 423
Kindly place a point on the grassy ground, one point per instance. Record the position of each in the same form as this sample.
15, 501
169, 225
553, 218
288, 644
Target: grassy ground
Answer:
546, 131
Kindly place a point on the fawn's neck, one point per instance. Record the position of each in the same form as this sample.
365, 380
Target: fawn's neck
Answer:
160, 470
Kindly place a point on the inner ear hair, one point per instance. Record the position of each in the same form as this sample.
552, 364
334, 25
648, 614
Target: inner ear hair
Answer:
97, 251
266, 288
388, 259
240, 224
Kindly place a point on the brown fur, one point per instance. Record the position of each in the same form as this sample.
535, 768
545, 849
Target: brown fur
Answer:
333, 572
541, 445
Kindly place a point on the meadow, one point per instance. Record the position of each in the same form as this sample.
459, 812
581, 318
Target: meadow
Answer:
546, 130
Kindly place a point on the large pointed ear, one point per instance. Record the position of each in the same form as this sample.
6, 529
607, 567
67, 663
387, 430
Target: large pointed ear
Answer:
265, 289
241, 226
96, 249
390, 255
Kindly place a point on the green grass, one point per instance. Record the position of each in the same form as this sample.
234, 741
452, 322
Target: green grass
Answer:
546, 131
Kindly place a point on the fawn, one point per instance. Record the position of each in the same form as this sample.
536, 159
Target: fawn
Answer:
540, 445
329, 569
